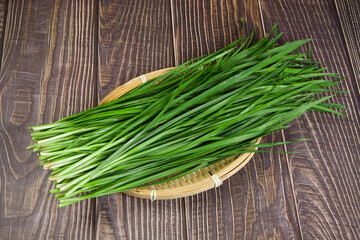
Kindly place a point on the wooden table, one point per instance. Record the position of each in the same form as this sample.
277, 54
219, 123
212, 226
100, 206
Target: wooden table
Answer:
62, 57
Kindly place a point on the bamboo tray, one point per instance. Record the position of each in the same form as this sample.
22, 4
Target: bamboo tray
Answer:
193, 183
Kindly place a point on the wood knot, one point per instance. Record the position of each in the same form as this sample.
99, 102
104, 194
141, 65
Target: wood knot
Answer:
22, 107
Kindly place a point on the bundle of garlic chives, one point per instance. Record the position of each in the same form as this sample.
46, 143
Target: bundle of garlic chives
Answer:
201, 112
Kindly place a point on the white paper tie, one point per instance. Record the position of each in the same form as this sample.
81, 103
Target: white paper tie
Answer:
143, 78
217, 180
153, 195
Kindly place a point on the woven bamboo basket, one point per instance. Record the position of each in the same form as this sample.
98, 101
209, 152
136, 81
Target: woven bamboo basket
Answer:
193, 183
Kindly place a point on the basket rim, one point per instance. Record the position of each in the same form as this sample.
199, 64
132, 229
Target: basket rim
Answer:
210, 176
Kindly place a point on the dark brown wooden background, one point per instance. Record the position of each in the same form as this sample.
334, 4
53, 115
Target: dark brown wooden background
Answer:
62, 57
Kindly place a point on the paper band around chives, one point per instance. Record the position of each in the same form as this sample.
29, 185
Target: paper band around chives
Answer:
216, 179
153, 195
143, 78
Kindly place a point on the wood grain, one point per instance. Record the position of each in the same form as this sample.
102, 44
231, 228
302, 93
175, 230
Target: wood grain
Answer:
326, 170
201, 27
62, 57
47, 73
135, 38
3, 12
349, 17
257, 202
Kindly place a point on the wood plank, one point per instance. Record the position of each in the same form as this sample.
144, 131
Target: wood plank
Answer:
135, 38
257, 202
349, 12
201, 27
326, 170
47, 73
3, 8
